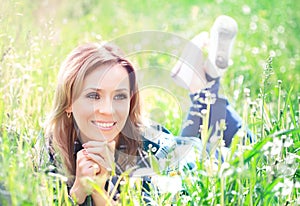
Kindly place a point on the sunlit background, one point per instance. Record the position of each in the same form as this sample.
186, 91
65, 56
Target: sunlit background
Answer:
36, 35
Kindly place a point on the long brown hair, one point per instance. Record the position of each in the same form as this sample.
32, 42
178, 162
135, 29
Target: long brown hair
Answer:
60, 129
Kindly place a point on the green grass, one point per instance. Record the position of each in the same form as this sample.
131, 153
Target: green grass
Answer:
35, 38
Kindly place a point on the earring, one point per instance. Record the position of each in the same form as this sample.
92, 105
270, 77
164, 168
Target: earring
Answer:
69, 115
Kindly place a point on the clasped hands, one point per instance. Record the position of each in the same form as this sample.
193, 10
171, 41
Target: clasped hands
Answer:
95, 160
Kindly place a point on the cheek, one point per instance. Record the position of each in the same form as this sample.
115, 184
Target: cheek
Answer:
81, 110
122, 110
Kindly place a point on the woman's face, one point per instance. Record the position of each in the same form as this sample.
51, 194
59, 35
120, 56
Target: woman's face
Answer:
102, 107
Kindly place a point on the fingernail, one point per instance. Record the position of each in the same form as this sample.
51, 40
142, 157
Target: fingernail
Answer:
84, 145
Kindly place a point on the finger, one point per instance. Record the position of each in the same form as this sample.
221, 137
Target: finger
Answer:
105, 153
103, 149
99, 154
92, 169
96, 168
80, 155
100, 161
83, 159
97, 144
110, 152
92, 144
87, 167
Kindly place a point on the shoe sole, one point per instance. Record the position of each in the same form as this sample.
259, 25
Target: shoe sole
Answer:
226, 29
225, 40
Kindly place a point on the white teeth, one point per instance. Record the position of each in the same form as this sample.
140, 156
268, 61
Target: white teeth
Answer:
105, 125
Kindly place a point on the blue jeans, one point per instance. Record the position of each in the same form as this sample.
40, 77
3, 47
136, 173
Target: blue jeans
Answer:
221, 109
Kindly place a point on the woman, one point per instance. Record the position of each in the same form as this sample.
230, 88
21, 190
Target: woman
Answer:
96, 124
96, 107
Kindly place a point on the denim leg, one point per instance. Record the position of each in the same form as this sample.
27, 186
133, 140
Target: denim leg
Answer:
194, 120
219, 110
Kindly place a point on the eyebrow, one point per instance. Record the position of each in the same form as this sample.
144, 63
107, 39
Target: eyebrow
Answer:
99, 90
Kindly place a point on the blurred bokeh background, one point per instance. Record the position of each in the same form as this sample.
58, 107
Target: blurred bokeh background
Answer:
36, 35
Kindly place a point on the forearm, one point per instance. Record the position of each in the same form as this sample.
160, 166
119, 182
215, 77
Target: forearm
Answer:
77, 193
102, 199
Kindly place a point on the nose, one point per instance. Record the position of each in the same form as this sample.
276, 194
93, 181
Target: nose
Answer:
105, 106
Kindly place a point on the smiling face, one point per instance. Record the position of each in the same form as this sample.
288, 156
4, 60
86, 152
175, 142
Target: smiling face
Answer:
102, 106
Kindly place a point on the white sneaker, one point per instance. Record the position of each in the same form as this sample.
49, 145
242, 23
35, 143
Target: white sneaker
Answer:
190, 66
222, 36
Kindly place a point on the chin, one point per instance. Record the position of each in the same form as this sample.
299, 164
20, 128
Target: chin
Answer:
106, 138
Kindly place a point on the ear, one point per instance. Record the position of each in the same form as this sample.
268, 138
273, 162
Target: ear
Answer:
69, 109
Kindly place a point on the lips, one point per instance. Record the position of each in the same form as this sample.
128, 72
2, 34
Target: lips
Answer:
104, 125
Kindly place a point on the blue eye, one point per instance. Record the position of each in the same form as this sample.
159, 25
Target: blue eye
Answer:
120, 97
93, 95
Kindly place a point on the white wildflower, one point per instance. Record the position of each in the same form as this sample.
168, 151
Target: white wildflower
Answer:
277, 146
288, 142
167, 184
211, 167
288, 187
225, 170
133, 181
285, 187
185, 199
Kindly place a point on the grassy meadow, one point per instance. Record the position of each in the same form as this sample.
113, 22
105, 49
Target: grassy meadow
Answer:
262, 84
